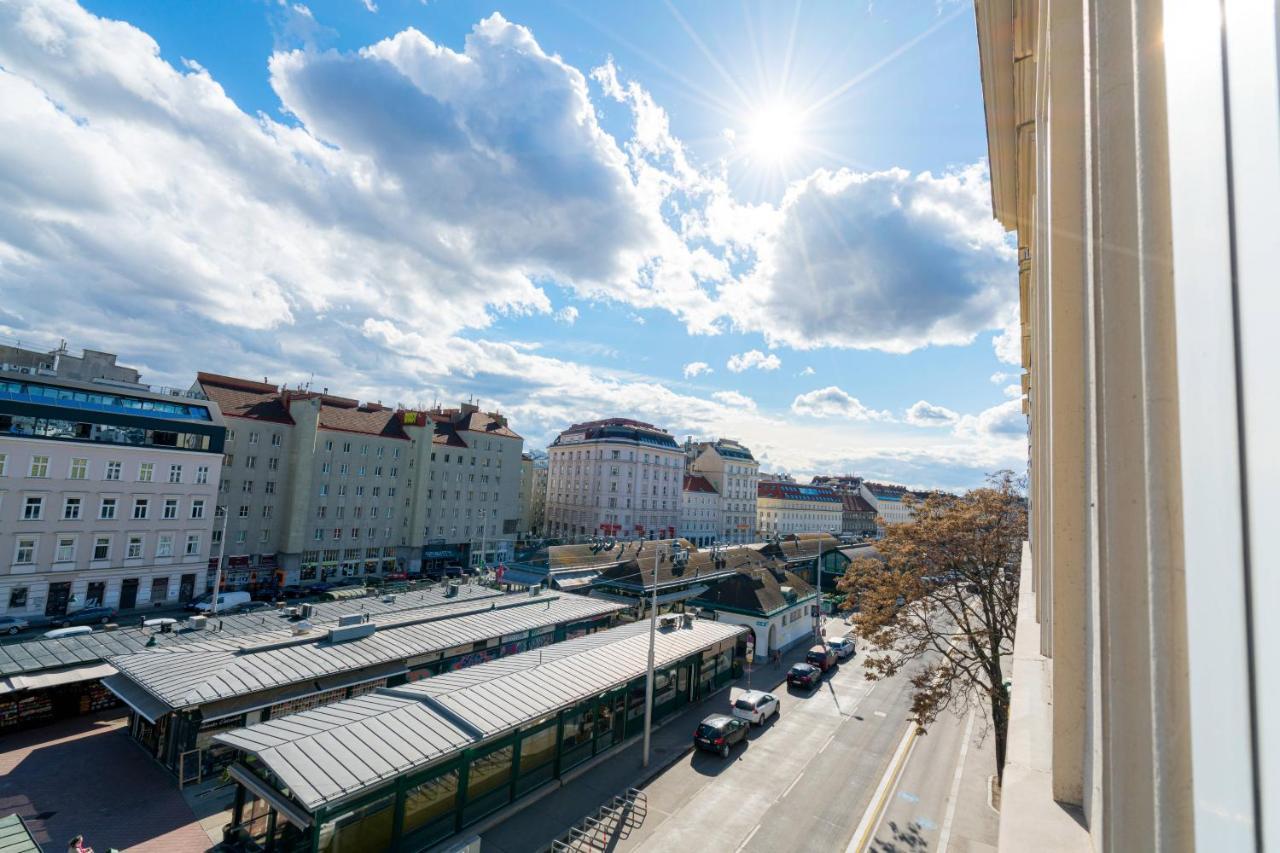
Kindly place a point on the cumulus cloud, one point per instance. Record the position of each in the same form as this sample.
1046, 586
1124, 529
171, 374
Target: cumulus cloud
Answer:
696, 368
881, 260
1000, 378
1003, 421
924, 414
832, 402
1013, 391
567, 315
734, 399
753, 358
1008, 344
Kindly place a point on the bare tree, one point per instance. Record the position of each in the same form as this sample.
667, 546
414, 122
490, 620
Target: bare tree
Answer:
946, 597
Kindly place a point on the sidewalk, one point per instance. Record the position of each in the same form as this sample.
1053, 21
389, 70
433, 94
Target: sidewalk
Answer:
537, 820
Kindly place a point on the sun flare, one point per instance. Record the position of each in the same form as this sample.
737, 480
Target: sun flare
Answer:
774, 133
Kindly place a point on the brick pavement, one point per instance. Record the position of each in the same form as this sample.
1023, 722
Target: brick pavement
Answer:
86, 776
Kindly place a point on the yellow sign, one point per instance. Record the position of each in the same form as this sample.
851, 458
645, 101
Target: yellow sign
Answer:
411, 417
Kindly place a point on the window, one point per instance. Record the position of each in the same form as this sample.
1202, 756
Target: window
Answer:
321, 511
247, 487
346, 447
224, 486
146, 471
33, 509
359, 491
107, 509
273, 463
102, 548
275, 439
328, 445
164, 545
364, 450
134, 549
219, 511
240, 537
355, 533
251, 462
170, 509
324, 490
319, 534
25, 551
360, 471
253, 438
202, 475
140, 507
71, 509
4, 463
244, 510
342, 490
18, 597
377, 471
325, 467
39, 466
342, 469
266, 511
79, 469
269, 487
264, 535
193, 545
337, 533
197, 508
66, 550
231, 435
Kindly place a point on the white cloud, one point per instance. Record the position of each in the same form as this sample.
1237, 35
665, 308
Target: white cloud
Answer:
696, 368
924, 414
808, 371
1003, 421
832, 402
1001, 378
1008, 344
1013, 391
567, 315
370, 6
735, 399
753, 358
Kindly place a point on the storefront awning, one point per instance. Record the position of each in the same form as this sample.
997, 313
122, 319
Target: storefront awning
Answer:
37, 680
522, 577
136, 698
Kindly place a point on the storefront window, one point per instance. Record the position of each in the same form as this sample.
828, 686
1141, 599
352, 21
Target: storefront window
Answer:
366, 828
431, 804
537, 747
488, 781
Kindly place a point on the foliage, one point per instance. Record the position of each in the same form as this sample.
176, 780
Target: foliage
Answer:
944, 600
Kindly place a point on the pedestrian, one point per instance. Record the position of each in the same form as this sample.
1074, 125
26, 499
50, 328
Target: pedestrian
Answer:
76, 845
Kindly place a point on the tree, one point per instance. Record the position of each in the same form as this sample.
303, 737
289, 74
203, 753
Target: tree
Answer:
946, 597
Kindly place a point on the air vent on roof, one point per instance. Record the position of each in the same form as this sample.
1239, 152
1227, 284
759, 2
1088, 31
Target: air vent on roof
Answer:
668, 622
300, 628
307, 611
348, 619
346, 633
388, 599
451, 591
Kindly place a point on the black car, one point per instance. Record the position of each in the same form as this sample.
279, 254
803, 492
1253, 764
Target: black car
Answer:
291, 593
804, 675
86, 616
719, 732
317, 588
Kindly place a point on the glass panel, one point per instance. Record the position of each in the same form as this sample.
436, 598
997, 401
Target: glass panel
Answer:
367, 828
489, 772
537, 748
431, 801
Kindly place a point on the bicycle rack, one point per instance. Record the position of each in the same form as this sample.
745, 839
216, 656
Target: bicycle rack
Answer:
612, 821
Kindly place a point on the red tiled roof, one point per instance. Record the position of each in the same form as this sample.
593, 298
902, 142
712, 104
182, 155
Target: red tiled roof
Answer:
857, 503
698, 483
243, 398
382, 423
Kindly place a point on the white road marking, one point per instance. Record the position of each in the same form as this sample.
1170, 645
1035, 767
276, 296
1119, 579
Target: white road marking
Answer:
789, 787
826, 743
876, 808
750, 835
880, 714
955, 786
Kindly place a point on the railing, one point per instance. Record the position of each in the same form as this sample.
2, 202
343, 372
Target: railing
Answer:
611, 823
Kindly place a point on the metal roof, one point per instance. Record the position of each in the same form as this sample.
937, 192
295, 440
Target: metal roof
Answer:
327, 754
37, 655
201, 674
15, 837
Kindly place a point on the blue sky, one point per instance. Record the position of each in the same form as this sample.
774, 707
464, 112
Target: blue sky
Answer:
567, 210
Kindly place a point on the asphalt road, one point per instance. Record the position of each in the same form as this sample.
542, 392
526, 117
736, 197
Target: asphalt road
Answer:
802, 782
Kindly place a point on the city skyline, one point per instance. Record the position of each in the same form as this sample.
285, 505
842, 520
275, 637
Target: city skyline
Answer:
776, 253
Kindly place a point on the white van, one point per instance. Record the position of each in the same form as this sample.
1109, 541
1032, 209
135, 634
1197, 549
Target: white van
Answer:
74, 631
227, 601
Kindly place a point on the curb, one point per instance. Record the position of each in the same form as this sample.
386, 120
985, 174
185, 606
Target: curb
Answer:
875, 809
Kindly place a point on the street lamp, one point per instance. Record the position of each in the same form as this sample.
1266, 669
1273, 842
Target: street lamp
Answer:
222, 555
653, 633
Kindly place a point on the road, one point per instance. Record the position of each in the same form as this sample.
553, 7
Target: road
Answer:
940, 801
801, 783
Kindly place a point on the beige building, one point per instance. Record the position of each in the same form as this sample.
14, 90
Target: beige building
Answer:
734, 472
538, 500
786, 508
1135, 151
615, 477
107, 494
701, 516
526, 495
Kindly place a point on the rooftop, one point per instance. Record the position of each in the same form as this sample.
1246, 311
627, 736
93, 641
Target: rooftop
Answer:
796, 492
338, 751
698, 483
616, 429
756, 589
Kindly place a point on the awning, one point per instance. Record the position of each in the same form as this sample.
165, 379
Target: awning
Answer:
522, 577
37, 680
136, 698
283, 807
573, 580
631, 601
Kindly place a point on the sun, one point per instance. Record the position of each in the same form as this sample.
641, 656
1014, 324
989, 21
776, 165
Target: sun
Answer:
774, 134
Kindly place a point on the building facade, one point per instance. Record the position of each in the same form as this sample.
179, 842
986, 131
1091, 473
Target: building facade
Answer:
857, 516
615, 477
786, 508
1134, 151
887, 501
89, 366
526, 496
538, 511
107, 494
701, 512
734, 472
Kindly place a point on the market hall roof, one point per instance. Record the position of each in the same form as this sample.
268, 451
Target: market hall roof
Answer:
757, 590
199, 674
338, 751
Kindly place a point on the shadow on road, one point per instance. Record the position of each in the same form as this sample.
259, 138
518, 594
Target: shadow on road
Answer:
904, 839
710, 764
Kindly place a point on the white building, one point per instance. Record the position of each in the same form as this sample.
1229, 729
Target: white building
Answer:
784, 508
734, 472
614, 477
701, 516
887, 501
107, 493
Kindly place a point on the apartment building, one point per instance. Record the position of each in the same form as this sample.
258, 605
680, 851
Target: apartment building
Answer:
89, 366
538, 511
617, 477
526, 495
734, 472
107, 492
887, 500
785, 508
701, 514
1135, 152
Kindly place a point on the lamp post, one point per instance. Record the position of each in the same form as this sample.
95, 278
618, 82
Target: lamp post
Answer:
648, 681
222, 555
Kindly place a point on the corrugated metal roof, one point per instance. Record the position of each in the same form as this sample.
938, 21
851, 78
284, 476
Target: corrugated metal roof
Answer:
36, 655
330, 753
201, 674
15, 837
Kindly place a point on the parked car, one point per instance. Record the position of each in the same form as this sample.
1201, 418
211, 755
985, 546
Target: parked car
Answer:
194, 604
13, 624
756, 706
226, 602
252, 607
719, 732
265, 594
86, 616
317, 588
844, 647
63, 633
804, 675
821, 656
341, 582
292, 592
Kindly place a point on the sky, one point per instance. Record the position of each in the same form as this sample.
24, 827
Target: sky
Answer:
766, 221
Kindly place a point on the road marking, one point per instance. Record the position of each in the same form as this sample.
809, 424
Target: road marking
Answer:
789, 787
880, 713
826, 743
955, 786
747, 840
875, 809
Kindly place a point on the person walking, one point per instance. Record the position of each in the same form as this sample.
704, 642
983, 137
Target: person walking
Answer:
77, 845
